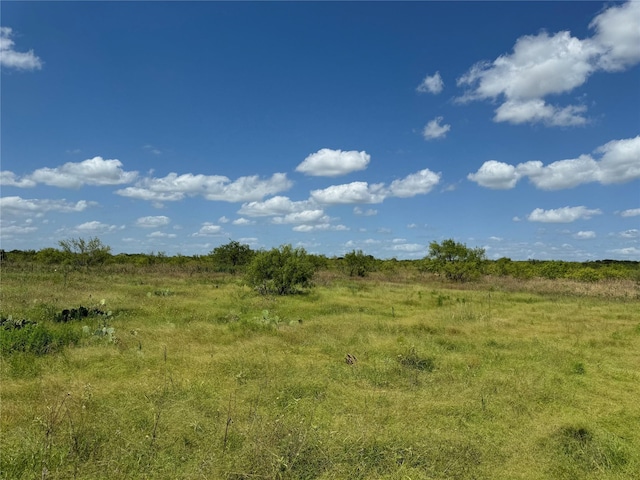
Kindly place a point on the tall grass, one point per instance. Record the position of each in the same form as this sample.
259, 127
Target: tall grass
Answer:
206, 379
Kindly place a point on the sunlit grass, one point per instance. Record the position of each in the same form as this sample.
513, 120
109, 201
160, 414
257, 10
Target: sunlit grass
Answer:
209, 380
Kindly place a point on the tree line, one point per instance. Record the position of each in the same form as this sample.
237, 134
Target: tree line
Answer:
285, 269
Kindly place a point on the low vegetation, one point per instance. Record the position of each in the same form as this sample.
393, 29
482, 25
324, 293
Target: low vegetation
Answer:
148, 366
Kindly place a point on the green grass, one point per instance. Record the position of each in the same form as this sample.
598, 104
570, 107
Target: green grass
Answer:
206, 379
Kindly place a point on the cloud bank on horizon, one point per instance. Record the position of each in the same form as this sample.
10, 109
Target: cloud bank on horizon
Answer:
540, 89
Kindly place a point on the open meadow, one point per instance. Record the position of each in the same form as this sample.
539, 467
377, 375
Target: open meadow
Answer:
183, 374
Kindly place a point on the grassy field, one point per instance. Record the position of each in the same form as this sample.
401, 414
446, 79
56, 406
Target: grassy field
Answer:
194, 376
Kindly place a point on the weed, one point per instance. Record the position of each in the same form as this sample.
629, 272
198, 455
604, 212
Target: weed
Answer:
412, 360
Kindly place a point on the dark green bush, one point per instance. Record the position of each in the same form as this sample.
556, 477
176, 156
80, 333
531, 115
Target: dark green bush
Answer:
35, 338
281, 271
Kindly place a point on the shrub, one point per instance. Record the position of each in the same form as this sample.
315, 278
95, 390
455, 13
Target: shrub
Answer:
455, 260
32, 337
357, 263
231, 257
281, 271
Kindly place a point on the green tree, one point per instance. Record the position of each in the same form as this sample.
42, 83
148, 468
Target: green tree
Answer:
85, 253
232, 256
455, 260
357, 263
281, 271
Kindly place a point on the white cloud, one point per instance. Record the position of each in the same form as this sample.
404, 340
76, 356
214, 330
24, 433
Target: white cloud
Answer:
152, 221
158, 234
408, 247
306, 216
26, 206
9, 179
367, 213
562, 215
434, 129
633, 212
414, 184
208, 230
629, 251
361, 192
633, 233
355, 192
175, 187
95, 227
223, 219
585, 235
537, 110
94, 171
10, 229
333, 163
618, 36
277, 205
242, 222
619, 163
496, 175
320, 227
552, 64
9, 58
431, 84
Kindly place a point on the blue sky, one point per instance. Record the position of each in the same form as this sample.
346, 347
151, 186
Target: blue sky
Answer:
175, 127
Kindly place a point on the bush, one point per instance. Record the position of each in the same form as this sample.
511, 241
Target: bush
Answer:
231, 257
281, 271
357, 263
455, 260
32, 337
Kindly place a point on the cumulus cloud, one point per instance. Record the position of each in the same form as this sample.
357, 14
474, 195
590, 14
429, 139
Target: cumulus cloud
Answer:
367, 213
10, 58
94, 171
434, 129
354, 192
208, 230
333, 163
421, 182
277, 205
562, 215
9, 179
633, 233
414, 184
175, 187
95, 227
431, 84
31, 206
628, 251
320, 227
242, 222
408, 247
552, 64
632, 212
158, 234
619, 163
152, 221
585, 235
305, 216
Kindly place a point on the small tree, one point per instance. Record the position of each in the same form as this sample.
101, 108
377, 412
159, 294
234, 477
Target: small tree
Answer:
231, 256
357, 263
81, 252
281, 271
455, 260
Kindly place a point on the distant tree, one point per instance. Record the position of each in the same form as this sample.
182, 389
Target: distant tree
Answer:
281, 271
358, 264
85, 253
232, 256
455, 260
